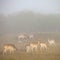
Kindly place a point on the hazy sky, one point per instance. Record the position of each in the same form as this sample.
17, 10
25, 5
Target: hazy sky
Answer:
42, 6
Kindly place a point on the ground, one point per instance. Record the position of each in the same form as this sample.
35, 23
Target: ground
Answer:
25, 56
53, 53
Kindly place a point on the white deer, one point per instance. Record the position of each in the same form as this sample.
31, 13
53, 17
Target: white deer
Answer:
32, 47
9, 48
51, 42
21, 36
43, 46
28, 49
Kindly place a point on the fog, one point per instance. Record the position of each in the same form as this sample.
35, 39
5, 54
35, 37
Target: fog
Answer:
29, 21
29, 16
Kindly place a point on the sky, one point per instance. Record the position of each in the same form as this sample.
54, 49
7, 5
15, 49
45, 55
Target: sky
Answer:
42, 6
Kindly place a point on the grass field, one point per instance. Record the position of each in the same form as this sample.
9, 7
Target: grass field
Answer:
51, 54
25, 56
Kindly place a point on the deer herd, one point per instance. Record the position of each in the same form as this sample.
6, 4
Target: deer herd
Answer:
40, 46
32, 47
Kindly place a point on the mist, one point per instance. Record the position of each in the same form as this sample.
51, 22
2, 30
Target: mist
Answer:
29, 21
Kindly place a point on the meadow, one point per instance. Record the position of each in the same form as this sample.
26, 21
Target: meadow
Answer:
53, 53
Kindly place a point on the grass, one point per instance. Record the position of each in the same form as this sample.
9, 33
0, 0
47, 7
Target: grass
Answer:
31, 56
50, 54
